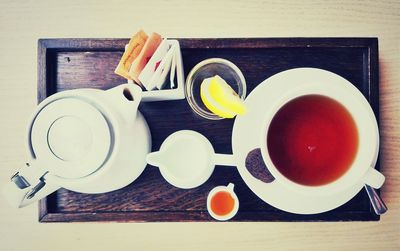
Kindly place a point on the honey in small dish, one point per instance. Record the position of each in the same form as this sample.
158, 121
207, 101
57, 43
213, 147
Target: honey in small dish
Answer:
222, 203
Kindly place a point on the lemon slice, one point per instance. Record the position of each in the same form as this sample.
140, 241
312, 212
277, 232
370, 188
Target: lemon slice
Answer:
213, 106
220, 98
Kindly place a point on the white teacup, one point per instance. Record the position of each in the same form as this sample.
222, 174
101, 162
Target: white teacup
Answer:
335, 87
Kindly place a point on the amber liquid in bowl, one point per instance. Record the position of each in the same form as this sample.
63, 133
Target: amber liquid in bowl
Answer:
222, 203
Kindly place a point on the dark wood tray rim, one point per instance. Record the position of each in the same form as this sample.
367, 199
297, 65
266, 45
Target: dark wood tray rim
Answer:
99, 44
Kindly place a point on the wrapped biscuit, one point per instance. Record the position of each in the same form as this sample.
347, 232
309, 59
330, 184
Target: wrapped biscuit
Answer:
132, 51
145, 54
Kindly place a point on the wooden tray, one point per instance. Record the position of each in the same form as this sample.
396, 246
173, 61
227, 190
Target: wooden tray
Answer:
75, 63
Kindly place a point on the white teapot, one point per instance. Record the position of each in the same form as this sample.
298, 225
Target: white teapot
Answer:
85, 140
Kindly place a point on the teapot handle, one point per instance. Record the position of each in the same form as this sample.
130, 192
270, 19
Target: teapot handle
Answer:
27, 186
127, 98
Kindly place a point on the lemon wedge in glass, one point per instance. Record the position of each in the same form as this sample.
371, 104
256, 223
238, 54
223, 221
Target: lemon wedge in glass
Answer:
220, 98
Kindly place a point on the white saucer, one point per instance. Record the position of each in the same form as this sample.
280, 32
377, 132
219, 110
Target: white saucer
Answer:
246, 137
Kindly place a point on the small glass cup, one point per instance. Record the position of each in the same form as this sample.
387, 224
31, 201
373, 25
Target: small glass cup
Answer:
209, 68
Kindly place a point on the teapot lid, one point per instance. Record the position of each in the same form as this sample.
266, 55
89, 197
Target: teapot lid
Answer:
71, 137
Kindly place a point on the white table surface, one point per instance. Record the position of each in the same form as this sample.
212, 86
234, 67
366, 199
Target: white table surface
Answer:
22, 23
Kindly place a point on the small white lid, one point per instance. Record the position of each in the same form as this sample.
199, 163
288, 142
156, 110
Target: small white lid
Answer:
70, 137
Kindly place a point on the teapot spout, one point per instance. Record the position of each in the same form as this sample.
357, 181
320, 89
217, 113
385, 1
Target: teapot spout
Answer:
126, 97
